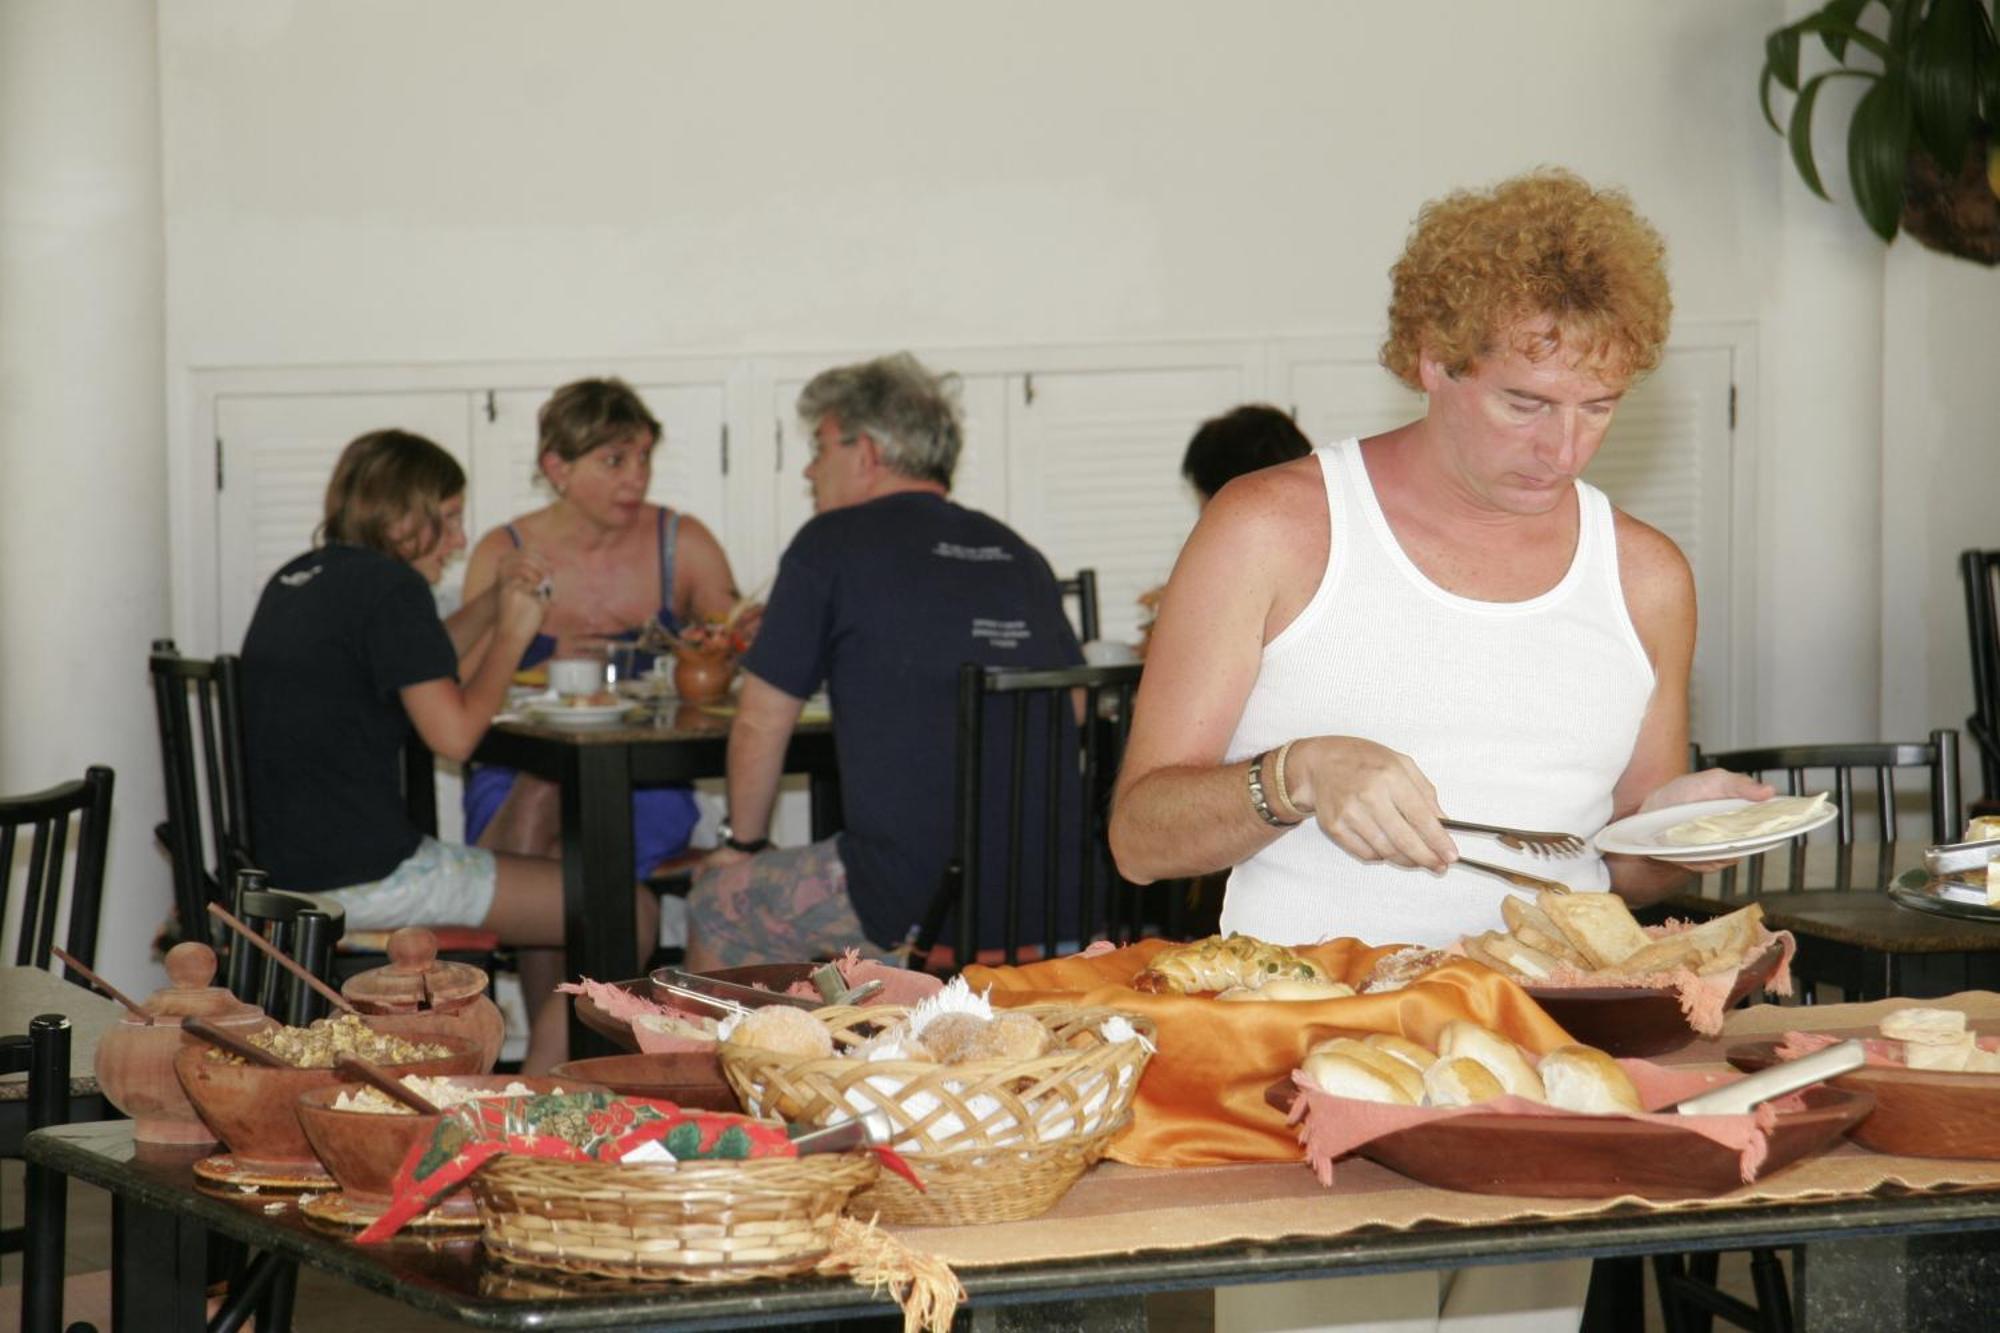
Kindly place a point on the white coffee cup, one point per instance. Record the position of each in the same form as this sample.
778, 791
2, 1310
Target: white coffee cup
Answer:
576, 675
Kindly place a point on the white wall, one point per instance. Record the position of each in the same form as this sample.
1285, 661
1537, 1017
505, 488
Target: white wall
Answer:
475, 180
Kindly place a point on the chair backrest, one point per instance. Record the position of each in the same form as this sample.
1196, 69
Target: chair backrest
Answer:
1981, 571
1083, 587
299, 930
1800, 769
199, 708
45, 816
1020, 726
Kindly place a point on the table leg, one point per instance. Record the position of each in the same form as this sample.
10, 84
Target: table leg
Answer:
159, 1270
597, 877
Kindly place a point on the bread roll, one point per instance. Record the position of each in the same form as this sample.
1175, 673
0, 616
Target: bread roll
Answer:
1411, 1054
1954, 1057
1502, 1058
1344, 1076
1460, 1081
1396, 970
1585, 1079
1599, 925
785, 1030
1290, 988
1520, 959
1925, 1026
1388, 1066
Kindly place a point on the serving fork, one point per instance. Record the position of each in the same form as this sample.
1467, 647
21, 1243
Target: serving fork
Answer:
1519, 879
1524, 840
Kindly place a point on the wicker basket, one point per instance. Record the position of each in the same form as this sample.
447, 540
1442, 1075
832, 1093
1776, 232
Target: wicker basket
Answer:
697, 1221
992, 1140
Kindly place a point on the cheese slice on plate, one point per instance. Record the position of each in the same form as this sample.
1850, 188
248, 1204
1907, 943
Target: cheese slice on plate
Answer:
1993, 883
1764, 819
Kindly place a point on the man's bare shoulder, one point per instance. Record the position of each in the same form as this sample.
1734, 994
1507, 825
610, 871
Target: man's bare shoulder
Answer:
1653, 572
1276, 498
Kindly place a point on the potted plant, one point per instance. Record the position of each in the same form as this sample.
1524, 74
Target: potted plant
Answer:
1922, 152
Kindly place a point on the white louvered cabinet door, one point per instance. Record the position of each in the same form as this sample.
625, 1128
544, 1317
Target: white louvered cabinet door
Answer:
1336, 400
278, 451
1093, 462
687, 467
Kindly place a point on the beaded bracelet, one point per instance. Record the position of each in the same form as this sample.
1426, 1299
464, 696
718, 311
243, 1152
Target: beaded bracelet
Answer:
1257, 801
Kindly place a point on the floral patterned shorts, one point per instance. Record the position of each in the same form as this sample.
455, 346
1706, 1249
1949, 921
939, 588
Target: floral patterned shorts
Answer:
786, 905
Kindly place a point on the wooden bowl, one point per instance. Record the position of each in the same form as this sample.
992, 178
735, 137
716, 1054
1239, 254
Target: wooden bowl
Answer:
254, 1109
1635, 1021
1918, 1112
774, 976
1599, 1157
688, 1078
364, 1149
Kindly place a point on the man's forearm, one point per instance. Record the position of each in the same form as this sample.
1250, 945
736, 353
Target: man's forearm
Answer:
756, 764
1177, 822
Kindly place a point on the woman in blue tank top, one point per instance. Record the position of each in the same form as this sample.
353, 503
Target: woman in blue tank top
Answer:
617, 561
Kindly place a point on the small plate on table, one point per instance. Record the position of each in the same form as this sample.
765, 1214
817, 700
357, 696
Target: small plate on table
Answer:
1641, 1021
553, 711
1640, 834
1944, 897
1918, 1112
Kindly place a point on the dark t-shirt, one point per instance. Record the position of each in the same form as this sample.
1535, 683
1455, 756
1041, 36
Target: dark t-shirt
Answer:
337, 633
882, 602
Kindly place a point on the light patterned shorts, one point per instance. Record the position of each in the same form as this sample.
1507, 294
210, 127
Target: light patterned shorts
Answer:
439, 884
785, 905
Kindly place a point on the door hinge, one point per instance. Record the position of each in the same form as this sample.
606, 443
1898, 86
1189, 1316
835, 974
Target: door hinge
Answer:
492, 406
218, 462
725, 448
1732, 407
1028, 390
777, 445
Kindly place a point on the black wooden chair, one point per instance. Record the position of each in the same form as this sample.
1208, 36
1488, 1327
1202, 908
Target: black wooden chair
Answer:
1019, 726
1981, 572
46, 816
1689, 1297
198, 706
1083, 587
43, 1055
298, 927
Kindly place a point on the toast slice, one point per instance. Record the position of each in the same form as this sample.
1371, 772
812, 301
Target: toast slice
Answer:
1530, 925
1522, 961
1599, 925
1713, 946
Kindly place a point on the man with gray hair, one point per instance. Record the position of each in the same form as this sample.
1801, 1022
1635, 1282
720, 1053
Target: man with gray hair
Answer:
880, 598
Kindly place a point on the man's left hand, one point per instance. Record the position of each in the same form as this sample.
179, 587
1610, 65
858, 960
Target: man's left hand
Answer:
1711, 784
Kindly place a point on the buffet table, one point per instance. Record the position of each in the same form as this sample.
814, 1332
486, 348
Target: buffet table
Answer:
1126, 1230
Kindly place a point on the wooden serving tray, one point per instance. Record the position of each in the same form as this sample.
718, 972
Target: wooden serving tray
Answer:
1918, 1112
1627, 1020
1596, 1157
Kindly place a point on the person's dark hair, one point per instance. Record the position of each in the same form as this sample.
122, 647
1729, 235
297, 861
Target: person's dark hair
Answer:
590, 414
911, 414
1239, 441
383, 479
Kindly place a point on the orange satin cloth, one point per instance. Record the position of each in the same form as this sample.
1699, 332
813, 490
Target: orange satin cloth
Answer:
1201, 1101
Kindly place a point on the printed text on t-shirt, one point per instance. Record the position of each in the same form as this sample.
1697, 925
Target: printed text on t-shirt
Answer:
981, 554
1001, 633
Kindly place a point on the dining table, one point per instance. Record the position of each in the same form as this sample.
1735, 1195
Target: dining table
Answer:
1853, 933
1883, 1235
596, 765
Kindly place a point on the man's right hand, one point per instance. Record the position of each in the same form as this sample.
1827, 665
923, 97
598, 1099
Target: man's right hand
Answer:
1375, 803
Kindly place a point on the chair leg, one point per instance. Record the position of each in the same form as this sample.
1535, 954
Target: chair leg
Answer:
47, 1191
1774, 1297
1617, 1298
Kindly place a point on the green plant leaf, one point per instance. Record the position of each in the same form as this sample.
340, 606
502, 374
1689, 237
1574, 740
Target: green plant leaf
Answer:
1781, 56
1878, 153
1825, 24
1944, 78
1764, 100
1848, 14
1799, 136
1903, 16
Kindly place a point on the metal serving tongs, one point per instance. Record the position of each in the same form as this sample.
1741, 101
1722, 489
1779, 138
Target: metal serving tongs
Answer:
1524, 840
731, 998
1520, 879
1740, 1096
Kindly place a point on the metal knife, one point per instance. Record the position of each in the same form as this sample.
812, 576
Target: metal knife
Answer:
1738, 1097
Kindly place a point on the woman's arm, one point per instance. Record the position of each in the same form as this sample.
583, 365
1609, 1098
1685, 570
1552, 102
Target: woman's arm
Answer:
704, 589
494, 561
452, 718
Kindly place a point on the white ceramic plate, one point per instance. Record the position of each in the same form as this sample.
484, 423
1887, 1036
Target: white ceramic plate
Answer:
1639, 835
550, 710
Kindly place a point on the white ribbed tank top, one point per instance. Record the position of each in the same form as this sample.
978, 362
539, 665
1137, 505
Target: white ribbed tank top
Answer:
1521, 713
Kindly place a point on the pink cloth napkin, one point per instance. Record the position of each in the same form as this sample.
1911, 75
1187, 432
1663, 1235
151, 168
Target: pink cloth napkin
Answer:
1881, 1050
1336, 1126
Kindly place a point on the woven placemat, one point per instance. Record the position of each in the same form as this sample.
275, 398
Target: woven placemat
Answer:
1118, 1209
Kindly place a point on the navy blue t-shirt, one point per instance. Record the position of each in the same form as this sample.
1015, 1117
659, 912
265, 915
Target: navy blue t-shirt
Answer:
337, 634
881, 603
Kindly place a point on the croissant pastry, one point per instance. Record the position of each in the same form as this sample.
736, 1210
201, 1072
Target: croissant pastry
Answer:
1218, 963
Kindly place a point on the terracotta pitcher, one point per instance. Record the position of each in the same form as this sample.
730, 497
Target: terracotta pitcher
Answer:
416, 995
703, 677
135, 1060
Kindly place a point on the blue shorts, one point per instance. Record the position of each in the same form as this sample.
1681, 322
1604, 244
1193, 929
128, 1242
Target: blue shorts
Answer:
663, 818
439, 884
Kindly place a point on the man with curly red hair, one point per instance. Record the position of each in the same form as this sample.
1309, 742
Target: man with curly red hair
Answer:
1442, 618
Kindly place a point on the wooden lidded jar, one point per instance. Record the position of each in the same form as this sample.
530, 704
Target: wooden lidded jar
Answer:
416, 994
135, 1060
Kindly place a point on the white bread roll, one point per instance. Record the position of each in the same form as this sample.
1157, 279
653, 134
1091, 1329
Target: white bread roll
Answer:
1411, 1054
1290, 988
1344, 1076
1949, 1057
1388, 1066
1936, 1027
1585, 1079
1460, 1081
1502, 1058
